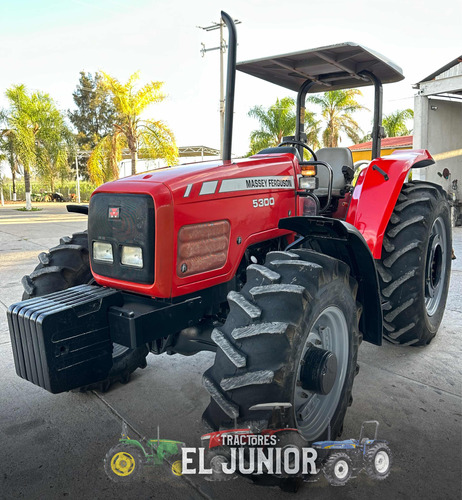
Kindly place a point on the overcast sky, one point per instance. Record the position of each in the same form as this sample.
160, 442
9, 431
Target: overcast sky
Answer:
45, 43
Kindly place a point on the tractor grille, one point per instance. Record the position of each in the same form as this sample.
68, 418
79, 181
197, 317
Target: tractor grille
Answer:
61, 341
123, 219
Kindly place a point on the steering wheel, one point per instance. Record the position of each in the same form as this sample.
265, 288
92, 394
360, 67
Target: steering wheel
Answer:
299, 143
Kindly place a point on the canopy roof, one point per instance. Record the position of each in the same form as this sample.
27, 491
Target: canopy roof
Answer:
332, 67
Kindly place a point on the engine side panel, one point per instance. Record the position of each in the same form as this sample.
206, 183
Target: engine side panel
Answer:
375, 196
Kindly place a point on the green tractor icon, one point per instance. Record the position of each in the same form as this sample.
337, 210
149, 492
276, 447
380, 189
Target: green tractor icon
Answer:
125, 460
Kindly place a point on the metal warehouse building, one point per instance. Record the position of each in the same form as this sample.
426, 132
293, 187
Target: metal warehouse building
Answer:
438, 128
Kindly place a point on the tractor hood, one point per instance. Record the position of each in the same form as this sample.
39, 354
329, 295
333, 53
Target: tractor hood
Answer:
198, 181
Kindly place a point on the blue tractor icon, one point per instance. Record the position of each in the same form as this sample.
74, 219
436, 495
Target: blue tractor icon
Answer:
355, 454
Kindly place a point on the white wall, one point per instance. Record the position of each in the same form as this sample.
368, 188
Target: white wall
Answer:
438, 128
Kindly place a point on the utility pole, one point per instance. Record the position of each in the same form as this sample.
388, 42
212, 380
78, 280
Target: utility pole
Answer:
77, 175
222, 48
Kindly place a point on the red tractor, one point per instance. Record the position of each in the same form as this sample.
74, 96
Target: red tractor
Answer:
277, 263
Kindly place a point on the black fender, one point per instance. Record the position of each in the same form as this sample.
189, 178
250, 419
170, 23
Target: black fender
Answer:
343, 241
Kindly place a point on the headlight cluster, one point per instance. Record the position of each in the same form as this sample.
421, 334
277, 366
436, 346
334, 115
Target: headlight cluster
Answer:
131, 256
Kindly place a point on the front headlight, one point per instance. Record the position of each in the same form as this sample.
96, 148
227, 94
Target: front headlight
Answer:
103, 251
132, 256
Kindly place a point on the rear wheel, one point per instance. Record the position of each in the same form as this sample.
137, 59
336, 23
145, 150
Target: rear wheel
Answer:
378, 461
123, 463
415, 265
291, 336
65, 266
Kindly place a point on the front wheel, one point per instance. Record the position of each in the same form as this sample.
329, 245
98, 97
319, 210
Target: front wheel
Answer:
415, 265
291, 336
215, 459
176, 464
338, 469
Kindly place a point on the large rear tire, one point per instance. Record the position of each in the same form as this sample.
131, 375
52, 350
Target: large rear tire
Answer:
123, 463
416, 263
297, 302
65, 266
378, 461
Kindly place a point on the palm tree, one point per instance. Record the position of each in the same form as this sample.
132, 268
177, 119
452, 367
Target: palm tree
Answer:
22, 123
337, 107
143, 137
279, 121
395, 123
54, 143
8, 154
36, 129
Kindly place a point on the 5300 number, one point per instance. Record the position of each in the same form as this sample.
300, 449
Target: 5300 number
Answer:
263, 202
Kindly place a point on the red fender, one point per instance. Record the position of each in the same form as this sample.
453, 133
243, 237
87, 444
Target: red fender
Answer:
375, 196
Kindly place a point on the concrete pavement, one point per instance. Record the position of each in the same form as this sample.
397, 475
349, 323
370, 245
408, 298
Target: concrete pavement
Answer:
54, 445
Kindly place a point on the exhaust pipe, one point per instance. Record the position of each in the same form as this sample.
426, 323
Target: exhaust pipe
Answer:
230, 86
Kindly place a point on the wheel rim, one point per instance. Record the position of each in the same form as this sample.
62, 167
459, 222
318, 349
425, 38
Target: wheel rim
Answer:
381, 462
312, 411
177, 468
341, 469
436, 265
123, 464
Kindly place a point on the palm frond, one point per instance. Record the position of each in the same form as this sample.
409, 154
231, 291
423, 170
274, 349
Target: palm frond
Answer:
277, 121
159, 140
103, 161
395, 122
147, 95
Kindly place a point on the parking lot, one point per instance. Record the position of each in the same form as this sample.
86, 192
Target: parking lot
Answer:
53, 445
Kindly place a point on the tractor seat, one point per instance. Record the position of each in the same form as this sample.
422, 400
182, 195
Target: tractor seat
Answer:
337, 158
283, 149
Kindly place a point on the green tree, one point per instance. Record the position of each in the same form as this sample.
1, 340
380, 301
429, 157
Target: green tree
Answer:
337, 106
54, 145
144, 138
278, 121
395, 123
22, 127
95, 113
37, 129
8, 154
